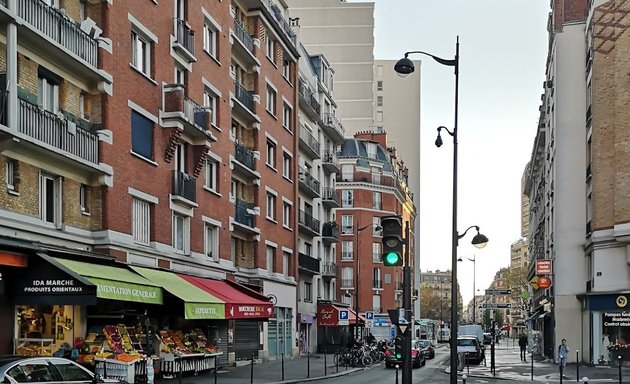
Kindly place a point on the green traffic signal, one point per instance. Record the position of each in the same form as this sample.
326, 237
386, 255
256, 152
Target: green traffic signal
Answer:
399, 356
391, 259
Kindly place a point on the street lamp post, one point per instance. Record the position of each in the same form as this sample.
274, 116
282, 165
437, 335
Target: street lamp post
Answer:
405, 67
356, 293
474, 260
442, 281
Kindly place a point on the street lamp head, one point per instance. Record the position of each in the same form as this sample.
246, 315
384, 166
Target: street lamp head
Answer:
479, 240
438, 140
460, 259
404, 67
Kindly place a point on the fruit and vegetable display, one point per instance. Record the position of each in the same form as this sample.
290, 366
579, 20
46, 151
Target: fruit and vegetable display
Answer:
110, 342
186, 343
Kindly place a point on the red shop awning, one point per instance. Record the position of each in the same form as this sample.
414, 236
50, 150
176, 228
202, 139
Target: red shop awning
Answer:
240, 301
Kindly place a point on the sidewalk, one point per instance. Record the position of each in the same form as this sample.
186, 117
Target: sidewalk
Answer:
508, 365
296, 370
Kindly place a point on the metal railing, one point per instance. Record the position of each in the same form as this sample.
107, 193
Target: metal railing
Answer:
184, 185
309, 139
307, 220
331, 158
49, 128
308, 180
308, 262
244, 155
367, 177
195, 114
347, 283
185, 36
330, 269
59, 28
244, 96
331, 120
284, 25
330, 230
243, 36
329, 193
241, 213
307, 95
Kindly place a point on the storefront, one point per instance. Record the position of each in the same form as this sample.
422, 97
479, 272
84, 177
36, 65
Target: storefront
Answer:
305, 324
281, 332
334, 332
610, 327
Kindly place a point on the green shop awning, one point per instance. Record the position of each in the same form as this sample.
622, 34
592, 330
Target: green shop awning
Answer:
116, 283
198, 304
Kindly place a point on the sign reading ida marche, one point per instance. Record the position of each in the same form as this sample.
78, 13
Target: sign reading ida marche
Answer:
543, 267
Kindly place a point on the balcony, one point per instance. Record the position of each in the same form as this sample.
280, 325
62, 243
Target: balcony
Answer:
308, 264
285, 28
366, 177
244, 102
330, 270
244, 213
244, 161
244, 43
308, 223
308, 184
184, 186
330, 162
180, 111
53, 132
333, 128
309, 143
330, 233
347, 284
308, 101
329, 198
184, 43
377, 284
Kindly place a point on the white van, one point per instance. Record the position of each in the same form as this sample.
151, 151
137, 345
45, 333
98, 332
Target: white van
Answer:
471, 330
444, 335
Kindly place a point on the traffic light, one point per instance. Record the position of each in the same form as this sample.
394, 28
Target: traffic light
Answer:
399, 347
392, 241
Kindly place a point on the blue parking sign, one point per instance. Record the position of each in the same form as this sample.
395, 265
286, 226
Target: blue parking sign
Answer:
344, 314
369, 315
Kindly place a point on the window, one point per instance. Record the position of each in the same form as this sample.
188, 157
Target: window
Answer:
376, 278
140, 53
346, 250
271, 206
271, 154
286, 214
286, 67
308, 292
346, 199
210, 102
285, 263
180, 77
379, 101
83, 107
84, 192
286, 165
376, 252
50, 199
210, 37
181, 233
271, 100
347, 226
141, 135
212, 242
347, 277
379, 116
377, 201
371, 150
308, 249
286, 116
48, 96
376, 175
271, 49
10, 175
376, 226
379, 85
211, 179
271, 253
346, 172
71, 372
141, 221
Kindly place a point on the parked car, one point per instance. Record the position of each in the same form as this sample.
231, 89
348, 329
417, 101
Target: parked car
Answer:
487, 338
417, 357
473, 349
20, 369
427, 348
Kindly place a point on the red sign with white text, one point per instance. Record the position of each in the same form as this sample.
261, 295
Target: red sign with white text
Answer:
543, 267
327, 316
246, 311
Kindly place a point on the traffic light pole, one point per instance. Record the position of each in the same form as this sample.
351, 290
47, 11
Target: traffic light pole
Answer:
406, 371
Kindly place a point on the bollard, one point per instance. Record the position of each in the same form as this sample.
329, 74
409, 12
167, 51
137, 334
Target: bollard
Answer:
251, 371
104, 368
619, 360
337, 363
577, 365
325, 368
308, 364
181, 370
532, 360
216, 368
585, 380
467, 363
561, 370
282, 366
464, 377
397, 373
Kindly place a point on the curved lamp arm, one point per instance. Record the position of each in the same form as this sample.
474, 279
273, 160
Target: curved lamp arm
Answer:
449, 62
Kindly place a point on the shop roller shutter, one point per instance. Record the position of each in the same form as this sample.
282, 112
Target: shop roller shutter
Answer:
246, 339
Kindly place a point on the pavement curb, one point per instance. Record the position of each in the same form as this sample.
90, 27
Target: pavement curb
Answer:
332, 375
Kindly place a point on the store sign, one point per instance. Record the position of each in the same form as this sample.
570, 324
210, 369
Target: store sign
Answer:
118, 290
194, 311
237, 311
327, 316
543, 267
616, 319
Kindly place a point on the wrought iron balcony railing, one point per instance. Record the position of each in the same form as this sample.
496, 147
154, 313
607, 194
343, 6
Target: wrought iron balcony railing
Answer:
244, 96
185, 36
308, 221
244, 155
243, 36
243, 213
184, 185
308, 263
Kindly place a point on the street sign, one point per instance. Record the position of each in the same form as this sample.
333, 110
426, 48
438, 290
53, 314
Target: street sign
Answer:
496, 305
369, 315
498, 292
543, 267
344, 317
544, 282
369, 323
534, 282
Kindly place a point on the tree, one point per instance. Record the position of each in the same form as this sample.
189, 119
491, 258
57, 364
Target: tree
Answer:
517, 282
430, 304
487, 319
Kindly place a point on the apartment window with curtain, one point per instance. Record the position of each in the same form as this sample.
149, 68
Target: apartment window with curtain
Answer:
212, 242
50, 195
347, 225
141, 135
346, 198
141, 53
376, 252
376, 226
270, 256
285, 263
141, 221
346, 250
377, 201
181, 233
376, 278
347, 277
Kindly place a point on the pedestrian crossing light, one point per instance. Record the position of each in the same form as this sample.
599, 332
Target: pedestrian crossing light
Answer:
392, 241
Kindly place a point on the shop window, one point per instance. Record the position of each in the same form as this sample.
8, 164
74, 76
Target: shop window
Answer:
50, 199
141, 135
141, 221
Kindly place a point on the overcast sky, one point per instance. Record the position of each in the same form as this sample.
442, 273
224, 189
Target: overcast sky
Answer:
503, 49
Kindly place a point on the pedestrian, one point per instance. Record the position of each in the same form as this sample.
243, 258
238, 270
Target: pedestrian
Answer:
563, 355
522, 343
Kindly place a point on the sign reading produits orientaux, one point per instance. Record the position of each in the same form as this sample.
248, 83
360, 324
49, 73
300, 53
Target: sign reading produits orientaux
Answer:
616, 319
48, 286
